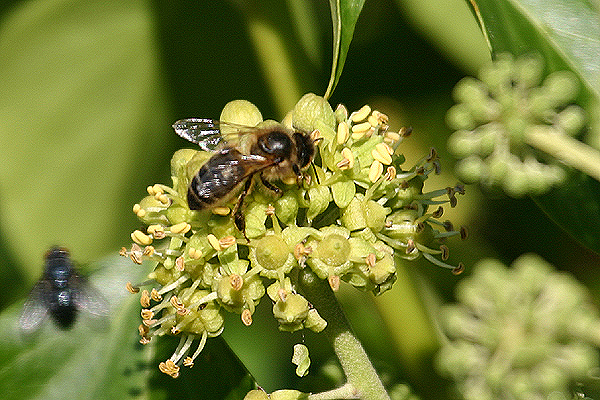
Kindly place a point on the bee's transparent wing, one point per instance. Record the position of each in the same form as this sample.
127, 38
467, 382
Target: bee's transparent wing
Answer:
87, 298
209, 134
35, 310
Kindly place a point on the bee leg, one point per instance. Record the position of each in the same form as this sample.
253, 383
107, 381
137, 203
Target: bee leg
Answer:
270, 186
238, 216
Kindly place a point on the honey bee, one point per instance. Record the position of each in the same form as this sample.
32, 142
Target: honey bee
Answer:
240, 152
60, 293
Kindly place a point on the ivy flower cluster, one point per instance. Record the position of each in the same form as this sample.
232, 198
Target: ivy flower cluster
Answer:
498, 118
528, 332
352, 216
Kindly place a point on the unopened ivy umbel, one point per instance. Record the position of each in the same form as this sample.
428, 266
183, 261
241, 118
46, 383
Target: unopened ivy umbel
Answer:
354, 216
518, 127
525, 332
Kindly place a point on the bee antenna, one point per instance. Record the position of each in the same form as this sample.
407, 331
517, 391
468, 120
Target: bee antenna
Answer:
315, 170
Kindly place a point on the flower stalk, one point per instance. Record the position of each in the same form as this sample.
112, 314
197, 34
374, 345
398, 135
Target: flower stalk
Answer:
360, 373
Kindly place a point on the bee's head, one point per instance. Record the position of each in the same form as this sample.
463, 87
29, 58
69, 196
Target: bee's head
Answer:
56, 252
305, 149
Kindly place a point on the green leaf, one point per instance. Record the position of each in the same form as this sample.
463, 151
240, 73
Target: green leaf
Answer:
81, 118
344, 14
566, 34
96, 359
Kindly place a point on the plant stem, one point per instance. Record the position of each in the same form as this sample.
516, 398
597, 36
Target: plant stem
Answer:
571, 151
355, 362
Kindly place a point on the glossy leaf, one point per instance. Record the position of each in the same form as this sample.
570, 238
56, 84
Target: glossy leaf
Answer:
81, 115
566, 34
344, 14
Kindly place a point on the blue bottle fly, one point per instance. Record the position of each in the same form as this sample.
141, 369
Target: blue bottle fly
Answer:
60, 293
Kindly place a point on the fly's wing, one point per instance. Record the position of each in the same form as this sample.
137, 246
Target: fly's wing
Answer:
87, 298
35, 310
210, 134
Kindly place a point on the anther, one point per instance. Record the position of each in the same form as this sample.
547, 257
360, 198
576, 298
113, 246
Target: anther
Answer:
131, 288
371, 259
246, 317
221, 210
145, 299
141, 238
375, 171
343, 132
227, 241
182, 227
459, 269
154, 295
194, 253
405, 132
179, 264
411, 246
169, 368
445, 252
361, 114
448, 226
361, 128
236, 281
214, 242
334, 282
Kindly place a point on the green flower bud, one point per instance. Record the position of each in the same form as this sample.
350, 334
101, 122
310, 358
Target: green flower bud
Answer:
562, 86
312, 112
153, 211
179, 174
361, 214
255, 215
572, 119
288, 395
498, 117
409, 192
291, 312
354, 217
177, 214
529, 70
256, 394
241, 112
541, 355
319, 198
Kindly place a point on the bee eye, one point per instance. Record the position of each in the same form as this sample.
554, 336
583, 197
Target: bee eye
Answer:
305, 148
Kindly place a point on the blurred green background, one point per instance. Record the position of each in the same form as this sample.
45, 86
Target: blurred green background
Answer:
88, 92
